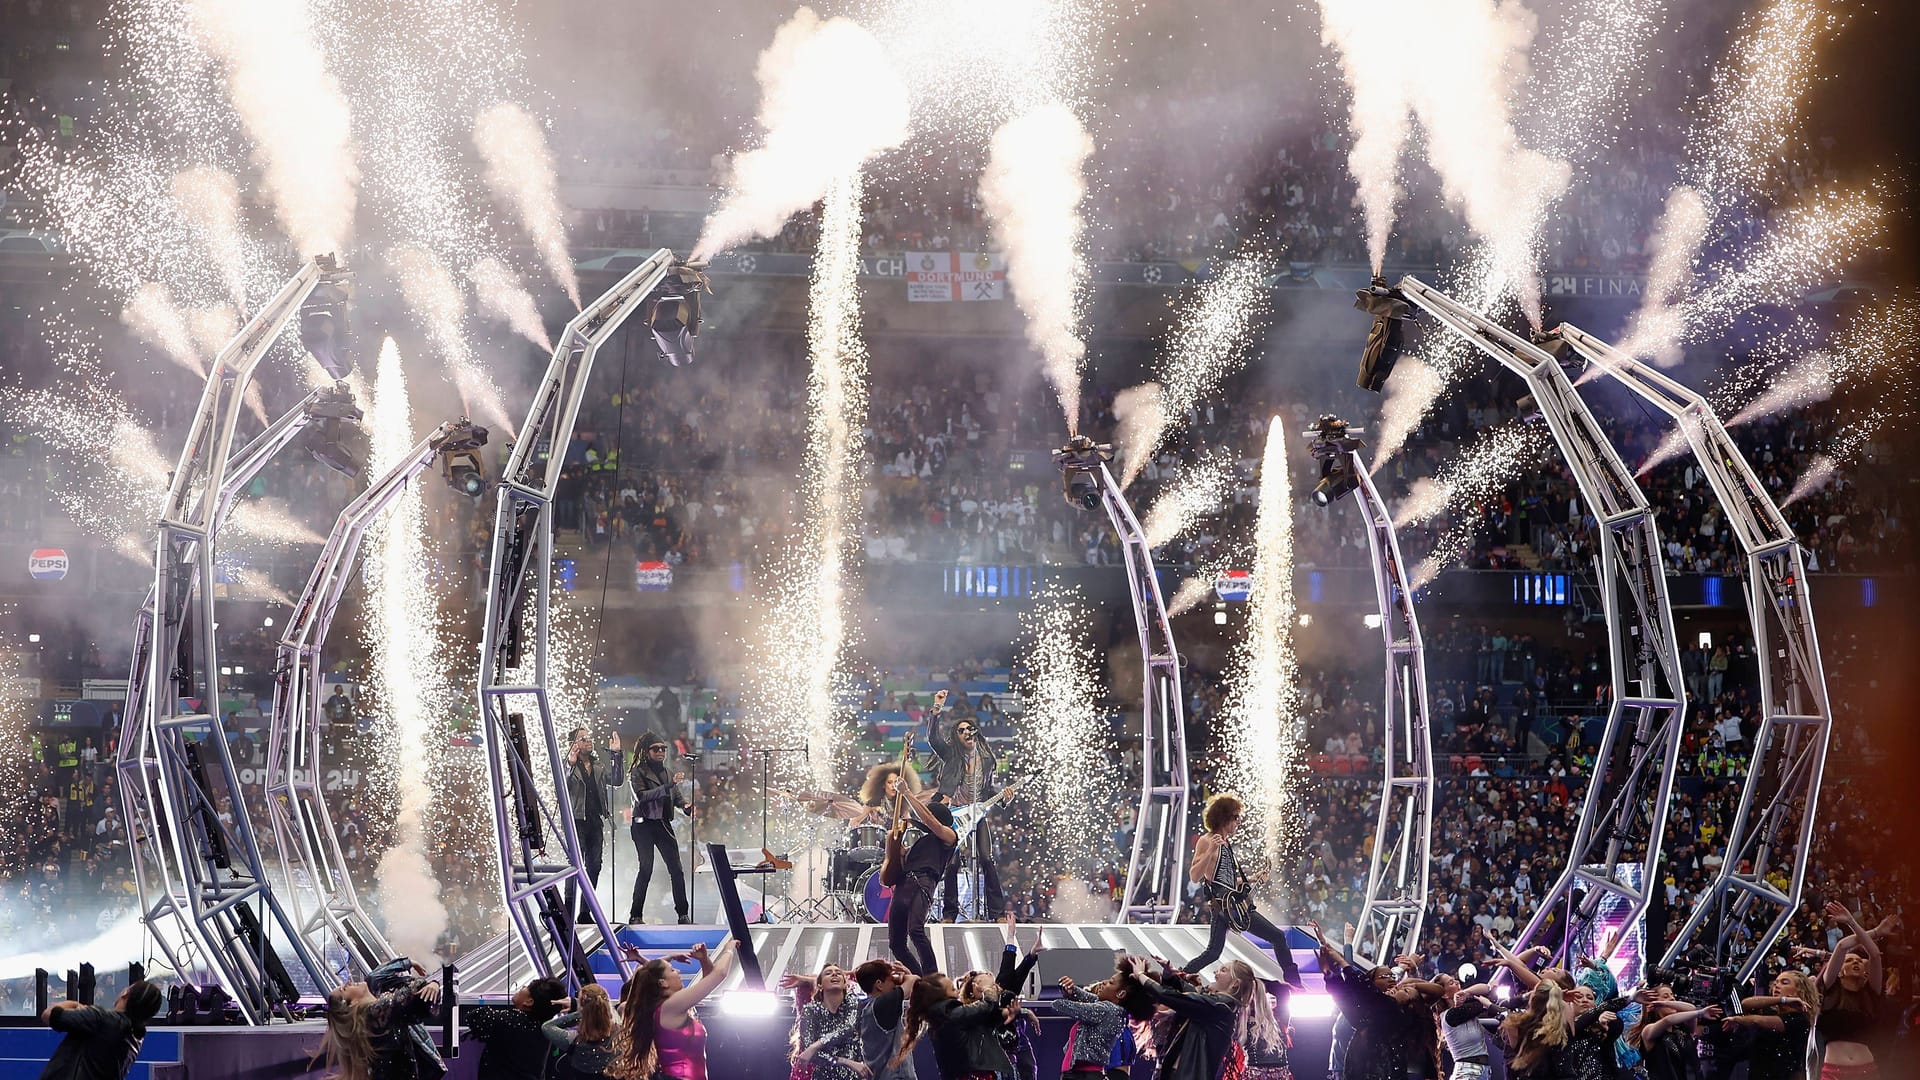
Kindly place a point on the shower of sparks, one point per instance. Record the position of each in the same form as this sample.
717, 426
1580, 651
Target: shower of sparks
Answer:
501, 295
1067, 763
1451, 545
1031, 191
830, 101
294, 109
1582, 71
436, 299
1752, 112
1191, 593
1672, 445
1262, 730
1413, 389
19, 715
405, 645
1808, 245
109, 475
209, 199
1797, 386
972, 67
1211, 341
520, 170
1140, 419
1198, 490
153, 317
806, 633
1477, 474
1660, 324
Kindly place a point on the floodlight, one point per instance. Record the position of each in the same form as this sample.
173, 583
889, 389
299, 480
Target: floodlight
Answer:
674, 317
1080, 462
1389, 308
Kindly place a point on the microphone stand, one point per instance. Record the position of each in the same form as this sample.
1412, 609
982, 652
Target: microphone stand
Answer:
766, 766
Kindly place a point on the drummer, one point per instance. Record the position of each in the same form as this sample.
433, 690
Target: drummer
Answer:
881, 788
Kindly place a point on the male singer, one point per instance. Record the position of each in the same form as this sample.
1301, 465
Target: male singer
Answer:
963, 769
655, 794
587, 783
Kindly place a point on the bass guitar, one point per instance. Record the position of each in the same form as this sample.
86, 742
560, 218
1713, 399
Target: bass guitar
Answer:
893, 865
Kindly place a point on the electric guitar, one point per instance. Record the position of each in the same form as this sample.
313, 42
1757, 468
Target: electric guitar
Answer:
893, 864
967, 818
1233, 901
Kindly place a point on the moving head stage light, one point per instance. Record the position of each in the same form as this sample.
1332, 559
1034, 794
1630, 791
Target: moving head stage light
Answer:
335, 438
460, 462
323, 322
1333, 447
1389, 309
1079, 462
674, 318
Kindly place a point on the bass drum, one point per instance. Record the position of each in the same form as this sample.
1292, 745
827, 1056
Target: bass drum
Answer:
878, 898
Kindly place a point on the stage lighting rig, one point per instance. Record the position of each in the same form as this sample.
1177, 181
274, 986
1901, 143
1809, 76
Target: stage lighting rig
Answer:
1079, 462
324, 333
460, 463
335, 438
1333, 447
674, 315
1560, 349
1389, 308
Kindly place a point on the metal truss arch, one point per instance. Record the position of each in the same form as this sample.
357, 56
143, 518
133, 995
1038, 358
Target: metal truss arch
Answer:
1743, 913
1626, 804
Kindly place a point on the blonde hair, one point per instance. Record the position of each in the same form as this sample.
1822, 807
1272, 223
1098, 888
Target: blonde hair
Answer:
596, 1013
1806, 989
348, 1044
1538, 1029
1254, 1023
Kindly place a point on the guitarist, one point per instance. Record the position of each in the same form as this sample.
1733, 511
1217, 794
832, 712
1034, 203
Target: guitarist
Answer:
925, 861
963, 767
1229, 892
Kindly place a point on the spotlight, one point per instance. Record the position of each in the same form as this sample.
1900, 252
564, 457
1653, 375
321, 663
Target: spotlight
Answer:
674, 319
1219, 618
1561, 350
1371, 622
1080, 462
323, 321
1467, 973
1333, 446
749, 1003
460, 462
1389, 308
335, 437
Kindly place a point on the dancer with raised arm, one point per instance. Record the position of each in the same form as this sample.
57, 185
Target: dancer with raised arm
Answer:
660, 1035
1852, 1008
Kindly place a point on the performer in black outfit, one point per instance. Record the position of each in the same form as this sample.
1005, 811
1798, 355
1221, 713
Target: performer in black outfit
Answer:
656, 793
963, 768
926, 861
587, 782
1216, 865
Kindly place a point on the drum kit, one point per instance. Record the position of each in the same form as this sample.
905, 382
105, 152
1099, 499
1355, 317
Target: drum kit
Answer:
852, 869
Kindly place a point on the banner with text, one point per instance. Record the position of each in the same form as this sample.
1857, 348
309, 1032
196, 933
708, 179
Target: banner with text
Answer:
945, 276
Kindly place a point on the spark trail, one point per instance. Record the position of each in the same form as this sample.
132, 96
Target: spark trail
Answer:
436, 299
830, 101
1477, 474
1031, 192
1198, 490
520, 170
1067, 762
209, 199
501, 295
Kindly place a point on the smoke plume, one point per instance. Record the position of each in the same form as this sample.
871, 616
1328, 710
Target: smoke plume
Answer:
501, 295
1414, 388
210, 200
429, 289
293, 108
1031, 192
1140, 418
830, 100
154, 318
520, 170
1660, 324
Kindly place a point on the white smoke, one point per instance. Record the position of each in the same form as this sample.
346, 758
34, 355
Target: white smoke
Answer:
520, 170
1201, 488
154, 318
1661, 323
210, 200
1367, 40
1140, 419
212, 328
501, 295
293, 108
1414, 388
1031, 192
830, 100
429, 289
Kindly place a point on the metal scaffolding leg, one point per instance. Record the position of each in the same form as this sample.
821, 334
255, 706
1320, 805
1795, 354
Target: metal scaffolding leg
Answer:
1743, 914
1623, 819
538, 851
217, 907
325, 905
1396, 900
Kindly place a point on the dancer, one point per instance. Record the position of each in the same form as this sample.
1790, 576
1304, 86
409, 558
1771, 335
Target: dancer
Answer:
656, 793
1781, 1022
517, 1048
1851, 1003
101, 1042
1099, 1026
964, 766
1393, 1030
1260, 1023
585, 1035
369, 1035
913, 898
1664, 1033
826, 1034
1200, 1041
1465, 1027
659, 1034
887, 986
587, 782
1216, 865
966, 1042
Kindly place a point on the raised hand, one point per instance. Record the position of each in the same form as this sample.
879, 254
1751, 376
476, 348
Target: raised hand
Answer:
1066, 984
1837, 911
429, 992
613, 741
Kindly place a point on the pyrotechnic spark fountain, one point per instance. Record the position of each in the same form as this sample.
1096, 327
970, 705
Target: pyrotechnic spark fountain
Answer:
153, 317
19, 713
520, 170
500, 294
1191, 592
1799, 385
404, 642
1198, 490
1414, 388
830, 100
1262, 721
1672, 445
1808, 245
1660, 324
436, 299
1476, 474
1211, 341
971, 67
293, 107
1752, 112
806, 631
209, 199
1067, 763
1031, 192
1583, 70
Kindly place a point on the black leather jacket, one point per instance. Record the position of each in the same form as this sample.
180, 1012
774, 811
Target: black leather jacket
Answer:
950, 757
